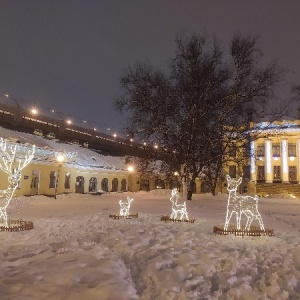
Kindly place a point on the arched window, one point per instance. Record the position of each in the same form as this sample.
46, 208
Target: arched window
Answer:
114, 185
79, 184
104, 185
123, 185
93, 185
159, 184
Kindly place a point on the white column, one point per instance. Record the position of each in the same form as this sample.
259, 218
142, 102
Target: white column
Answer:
284, 161
252, 162
268, 161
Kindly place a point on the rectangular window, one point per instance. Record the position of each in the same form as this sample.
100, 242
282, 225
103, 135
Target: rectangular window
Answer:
67, 180
292, 149
261, 150
277, 175
246, 171
232, 171
261, 173
276, 150
232, 152
292, 173
52, 180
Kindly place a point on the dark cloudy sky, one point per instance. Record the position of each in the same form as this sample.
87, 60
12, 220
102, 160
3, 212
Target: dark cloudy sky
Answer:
70, 55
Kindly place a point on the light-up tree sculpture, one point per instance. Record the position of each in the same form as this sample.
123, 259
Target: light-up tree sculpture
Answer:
241, 205
178, 208
13, 169
125, 206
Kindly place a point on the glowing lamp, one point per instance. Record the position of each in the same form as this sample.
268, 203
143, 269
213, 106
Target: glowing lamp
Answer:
34, 111
130, 169
60, 158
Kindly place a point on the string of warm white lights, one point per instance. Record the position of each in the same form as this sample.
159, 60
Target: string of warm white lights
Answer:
69, 118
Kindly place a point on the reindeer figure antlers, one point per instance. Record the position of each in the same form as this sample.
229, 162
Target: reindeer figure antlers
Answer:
7, 165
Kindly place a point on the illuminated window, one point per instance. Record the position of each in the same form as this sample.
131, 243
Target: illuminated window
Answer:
292, 149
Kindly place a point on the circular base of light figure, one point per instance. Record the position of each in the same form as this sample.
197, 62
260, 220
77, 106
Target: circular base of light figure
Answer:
253, 231
118, 216
17, 225
169, 219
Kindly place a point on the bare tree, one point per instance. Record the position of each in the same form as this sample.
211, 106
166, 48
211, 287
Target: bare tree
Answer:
197, 110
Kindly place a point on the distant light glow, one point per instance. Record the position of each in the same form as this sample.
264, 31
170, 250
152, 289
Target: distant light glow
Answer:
130, 168
69, 122
292, 157
34, 111
60, 158
114, 135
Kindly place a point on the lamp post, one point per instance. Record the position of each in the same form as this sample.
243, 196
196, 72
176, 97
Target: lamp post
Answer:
60, 158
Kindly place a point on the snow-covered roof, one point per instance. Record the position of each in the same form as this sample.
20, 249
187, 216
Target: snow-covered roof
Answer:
75, 153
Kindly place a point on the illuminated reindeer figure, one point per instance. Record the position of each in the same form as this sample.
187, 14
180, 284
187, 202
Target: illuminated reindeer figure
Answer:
241, 205
177, 208
14, 175
124, 207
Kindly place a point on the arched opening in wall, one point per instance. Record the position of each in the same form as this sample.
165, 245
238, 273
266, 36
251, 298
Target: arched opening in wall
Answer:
175, 184
79, 187
193, 187
205, 187
114, 187
145, 186
93, 185
159, 184
123, 185
104, 185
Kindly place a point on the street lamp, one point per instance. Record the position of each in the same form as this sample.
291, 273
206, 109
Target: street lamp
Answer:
60, 158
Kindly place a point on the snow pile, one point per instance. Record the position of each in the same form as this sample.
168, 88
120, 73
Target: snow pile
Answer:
76, 252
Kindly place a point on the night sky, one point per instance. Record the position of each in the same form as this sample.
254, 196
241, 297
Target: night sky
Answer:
70, 55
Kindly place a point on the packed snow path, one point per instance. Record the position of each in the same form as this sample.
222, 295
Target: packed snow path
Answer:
76, 252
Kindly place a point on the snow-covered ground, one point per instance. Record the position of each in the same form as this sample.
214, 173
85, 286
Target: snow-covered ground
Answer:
75, 251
